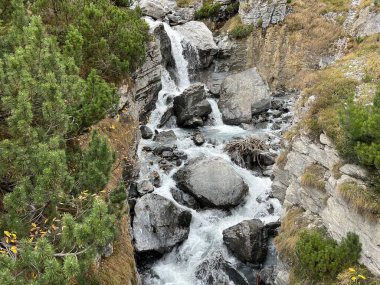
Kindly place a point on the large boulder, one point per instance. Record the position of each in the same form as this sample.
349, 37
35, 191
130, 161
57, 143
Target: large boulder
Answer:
191, 107
216, 270
158, 224
368, 23
243, 95
213, 182
200, 42
147, 78
156, 9
248, 240
262, 12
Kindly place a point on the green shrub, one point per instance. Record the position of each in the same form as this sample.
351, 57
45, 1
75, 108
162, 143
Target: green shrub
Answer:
321, 258
361, 125
112, 39
208, 10
241, 31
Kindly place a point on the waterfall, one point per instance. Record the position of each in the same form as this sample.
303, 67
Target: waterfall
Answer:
170, 88
205, 238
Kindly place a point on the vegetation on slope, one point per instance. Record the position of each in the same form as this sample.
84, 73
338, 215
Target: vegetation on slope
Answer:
54, 74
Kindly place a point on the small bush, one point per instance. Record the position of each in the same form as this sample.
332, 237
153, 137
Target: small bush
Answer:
241, 31
208, 11
313, 177
321, 258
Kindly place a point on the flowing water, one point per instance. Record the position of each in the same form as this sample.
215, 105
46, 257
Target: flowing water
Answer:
205, 238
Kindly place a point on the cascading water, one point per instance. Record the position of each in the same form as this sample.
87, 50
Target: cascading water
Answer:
205, 238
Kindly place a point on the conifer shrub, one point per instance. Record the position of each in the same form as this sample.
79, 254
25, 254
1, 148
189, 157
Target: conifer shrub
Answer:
320, 258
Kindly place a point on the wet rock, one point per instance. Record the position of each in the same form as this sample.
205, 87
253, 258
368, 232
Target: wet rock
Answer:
158, 224
248, 241
191, 107
148, 76
213, 182
243, 95
146, 132
200, 42
145, 187
166, 117
180, 154
155, 178
262, 12
160, 149
216, 270
184, 198
165, 137
198, 139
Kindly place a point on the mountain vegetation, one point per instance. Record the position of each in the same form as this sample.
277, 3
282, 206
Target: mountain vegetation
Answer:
58, 66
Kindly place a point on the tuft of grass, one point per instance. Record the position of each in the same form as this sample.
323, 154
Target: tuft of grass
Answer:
313, 177
292, 226
336, 170
282, 159
241, 31
364, 200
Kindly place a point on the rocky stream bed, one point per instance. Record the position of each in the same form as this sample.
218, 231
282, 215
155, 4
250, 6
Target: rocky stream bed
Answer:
198, 216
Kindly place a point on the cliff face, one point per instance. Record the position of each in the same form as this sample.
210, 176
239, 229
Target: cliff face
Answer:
327, 203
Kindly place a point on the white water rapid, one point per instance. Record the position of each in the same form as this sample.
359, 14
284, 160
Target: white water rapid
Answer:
205, 238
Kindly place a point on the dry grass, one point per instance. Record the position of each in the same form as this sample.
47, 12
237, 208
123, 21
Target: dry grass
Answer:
291, 227
246, 151
313, 177
119, 268
364, 200
282, 159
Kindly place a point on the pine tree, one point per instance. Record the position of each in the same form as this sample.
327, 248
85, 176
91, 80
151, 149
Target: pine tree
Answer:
45, 101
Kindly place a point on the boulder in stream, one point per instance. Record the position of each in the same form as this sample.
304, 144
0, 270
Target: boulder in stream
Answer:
191, 107
216, 270
146, 132
248, 240
198, 139
213, 182
159, 224
200, 40
243, 95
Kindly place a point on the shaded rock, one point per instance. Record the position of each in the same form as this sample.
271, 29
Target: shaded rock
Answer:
145, 187
216, 270
158, 224
166, 117
107, 250
198, 139
184, 198
243, 95
148, 76
155, 178
248, 241
213, 182
267, 158
160, 149
200, 42
262, 12
146, 132
191, 107
354, 170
